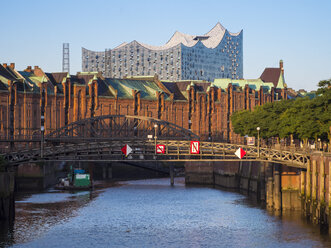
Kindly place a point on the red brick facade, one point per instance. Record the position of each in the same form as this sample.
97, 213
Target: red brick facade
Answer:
206, 112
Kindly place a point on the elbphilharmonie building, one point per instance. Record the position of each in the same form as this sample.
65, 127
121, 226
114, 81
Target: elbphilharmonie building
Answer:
216, 54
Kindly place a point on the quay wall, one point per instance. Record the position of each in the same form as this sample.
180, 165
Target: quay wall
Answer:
7, 201
315, 189
279, 187
275, 185
37, 176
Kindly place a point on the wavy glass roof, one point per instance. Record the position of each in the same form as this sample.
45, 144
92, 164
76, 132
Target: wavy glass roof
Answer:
209, 40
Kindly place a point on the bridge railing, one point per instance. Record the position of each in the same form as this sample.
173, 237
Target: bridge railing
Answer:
145, 149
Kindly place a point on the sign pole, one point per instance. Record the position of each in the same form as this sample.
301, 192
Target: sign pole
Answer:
155, 137
258, 141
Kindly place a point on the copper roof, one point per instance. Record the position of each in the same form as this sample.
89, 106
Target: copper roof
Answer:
173, 88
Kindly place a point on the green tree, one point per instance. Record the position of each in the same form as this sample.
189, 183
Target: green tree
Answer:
302, 118
323, 85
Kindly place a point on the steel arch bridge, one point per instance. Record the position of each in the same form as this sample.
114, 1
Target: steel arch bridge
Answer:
109, 127
144, 151
101, 139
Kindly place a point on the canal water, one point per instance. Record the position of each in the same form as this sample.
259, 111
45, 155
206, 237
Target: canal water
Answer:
151, 213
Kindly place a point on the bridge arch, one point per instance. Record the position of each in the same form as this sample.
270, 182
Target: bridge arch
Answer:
109, 127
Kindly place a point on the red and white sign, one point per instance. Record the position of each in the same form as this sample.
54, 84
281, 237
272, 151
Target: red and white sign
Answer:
195, 147
251, 141
160, 149
240, 153
126, 150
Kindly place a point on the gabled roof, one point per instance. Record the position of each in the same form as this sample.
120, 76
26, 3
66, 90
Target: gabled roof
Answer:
31, 81
7, 73
56, 77
124, 88
173, 88
179, 88
271, 75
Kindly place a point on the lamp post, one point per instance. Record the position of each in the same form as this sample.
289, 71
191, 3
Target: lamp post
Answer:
155, 137
42, 123
42, 129
258, 141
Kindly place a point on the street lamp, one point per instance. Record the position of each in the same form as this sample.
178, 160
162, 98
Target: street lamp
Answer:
42, 129
155, 137
42, 123
258, 141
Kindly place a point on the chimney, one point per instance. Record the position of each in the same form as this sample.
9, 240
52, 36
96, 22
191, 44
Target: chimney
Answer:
28, 69
281, 65
4, 65
36, 67
12, 66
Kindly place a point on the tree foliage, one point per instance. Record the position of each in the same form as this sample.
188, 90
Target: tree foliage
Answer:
304, 118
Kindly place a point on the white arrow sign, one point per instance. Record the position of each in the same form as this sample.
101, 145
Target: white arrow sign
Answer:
240, 153
126, 150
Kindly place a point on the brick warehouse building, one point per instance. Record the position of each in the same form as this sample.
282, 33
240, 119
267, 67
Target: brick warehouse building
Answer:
204, 107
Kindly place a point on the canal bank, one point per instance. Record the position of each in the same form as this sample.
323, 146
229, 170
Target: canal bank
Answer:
278, 187
274, 185
7, 199
151, 213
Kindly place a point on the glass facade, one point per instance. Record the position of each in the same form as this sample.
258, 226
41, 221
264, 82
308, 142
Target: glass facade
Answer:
223, 61
218, 54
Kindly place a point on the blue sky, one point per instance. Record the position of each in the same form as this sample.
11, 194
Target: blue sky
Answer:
297, 31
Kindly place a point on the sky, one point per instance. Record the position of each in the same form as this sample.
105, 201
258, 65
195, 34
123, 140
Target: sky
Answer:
296, 31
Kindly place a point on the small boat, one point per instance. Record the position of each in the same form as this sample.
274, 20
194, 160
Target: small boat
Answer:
77, 179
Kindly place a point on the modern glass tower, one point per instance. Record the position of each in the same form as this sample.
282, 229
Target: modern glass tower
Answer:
216, 54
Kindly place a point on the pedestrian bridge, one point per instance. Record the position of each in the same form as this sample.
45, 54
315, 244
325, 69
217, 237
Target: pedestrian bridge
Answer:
100, 139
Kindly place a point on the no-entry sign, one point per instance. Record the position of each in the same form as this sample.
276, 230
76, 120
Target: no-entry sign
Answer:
195, 147
160, 149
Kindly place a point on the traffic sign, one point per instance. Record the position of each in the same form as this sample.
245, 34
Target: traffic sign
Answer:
160, 149
251, 141
195, 147
126, 150
240, 153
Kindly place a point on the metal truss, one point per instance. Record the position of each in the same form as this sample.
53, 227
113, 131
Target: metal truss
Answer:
109, 127
144, 150
101, 139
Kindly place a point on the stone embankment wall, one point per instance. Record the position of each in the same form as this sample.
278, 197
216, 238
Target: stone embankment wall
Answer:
316, 189
278, 186
7, 201
37, 176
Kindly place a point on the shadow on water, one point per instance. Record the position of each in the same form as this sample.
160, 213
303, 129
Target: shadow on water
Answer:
38, 212
6, 233
287, 218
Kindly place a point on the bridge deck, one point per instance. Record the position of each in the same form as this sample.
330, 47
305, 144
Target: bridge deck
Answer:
144, 150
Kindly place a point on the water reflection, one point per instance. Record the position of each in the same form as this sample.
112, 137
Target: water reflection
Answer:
151, 213
37, 213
